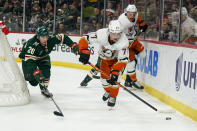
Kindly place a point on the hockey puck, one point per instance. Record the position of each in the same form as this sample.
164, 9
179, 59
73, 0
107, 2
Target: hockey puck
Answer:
168, 118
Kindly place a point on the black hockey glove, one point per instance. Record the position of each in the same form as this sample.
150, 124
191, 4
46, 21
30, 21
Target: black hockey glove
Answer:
84, 56
143, 28
114, 77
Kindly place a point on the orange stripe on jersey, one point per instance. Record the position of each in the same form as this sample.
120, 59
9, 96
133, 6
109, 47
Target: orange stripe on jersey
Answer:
83, 44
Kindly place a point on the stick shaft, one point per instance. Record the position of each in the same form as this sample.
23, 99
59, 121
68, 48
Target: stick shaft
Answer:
56, 105
136, 96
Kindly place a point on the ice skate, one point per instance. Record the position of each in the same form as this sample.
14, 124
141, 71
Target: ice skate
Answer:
106, 96
111, 102
45, 92
87, 79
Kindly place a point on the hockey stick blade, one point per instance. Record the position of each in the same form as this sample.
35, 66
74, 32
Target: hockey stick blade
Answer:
58, 113
168, 111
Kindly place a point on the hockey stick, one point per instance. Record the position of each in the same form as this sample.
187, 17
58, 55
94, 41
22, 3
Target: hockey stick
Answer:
59, 112
51, 97
136, 96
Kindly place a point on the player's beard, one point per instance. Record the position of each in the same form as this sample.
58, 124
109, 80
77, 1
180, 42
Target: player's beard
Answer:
43, 40
131, 17
43, 43
113, 39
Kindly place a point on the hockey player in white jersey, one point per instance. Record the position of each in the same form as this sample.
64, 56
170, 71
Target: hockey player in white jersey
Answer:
128, 21
114, 53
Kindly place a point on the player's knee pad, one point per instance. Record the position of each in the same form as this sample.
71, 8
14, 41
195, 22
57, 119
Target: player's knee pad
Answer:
33, 83
131, 66
141, 54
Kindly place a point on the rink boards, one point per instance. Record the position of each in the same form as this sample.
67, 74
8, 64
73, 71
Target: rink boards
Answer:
168, 71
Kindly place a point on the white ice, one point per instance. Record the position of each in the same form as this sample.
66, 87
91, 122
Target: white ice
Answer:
84, 109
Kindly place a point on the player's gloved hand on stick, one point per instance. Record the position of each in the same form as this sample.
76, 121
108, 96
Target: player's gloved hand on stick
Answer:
143, 28
114, 77
84, 56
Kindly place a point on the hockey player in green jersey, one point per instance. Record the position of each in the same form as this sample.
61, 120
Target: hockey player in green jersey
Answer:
36, 64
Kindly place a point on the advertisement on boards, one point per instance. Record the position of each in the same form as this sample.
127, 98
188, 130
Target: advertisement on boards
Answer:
171, 70
185, 78
60, 53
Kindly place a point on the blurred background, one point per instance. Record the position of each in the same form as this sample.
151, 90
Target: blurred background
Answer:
168, 20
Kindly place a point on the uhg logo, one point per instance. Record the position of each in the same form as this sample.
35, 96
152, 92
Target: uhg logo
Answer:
185, 73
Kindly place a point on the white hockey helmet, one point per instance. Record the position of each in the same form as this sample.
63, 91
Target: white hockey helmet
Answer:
131, 8
114, 26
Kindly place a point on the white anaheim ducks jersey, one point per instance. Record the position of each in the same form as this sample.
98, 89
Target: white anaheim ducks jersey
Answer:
127, 26
107, 51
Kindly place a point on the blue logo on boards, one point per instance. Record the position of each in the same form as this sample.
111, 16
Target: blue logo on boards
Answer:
186, 72
148, 64
178, 73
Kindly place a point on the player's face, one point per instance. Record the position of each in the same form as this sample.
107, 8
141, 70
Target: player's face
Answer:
131, 15
43, 39
183, 17
115, 36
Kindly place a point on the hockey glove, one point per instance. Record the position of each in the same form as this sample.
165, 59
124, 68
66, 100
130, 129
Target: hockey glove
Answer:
3, 28
39, 76
84, 56
74, 48
143, 28
114, 77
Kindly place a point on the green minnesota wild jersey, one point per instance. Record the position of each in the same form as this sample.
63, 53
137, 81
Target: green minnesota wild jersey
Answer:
34, 50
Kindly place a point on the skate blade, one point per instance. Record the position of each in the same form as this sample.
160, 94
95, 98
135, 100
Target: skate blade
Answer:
111, 108
82, 86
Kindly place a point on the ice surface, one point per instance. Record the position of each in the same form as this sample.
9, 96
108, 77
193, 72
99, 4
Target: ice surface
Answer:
84, 109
